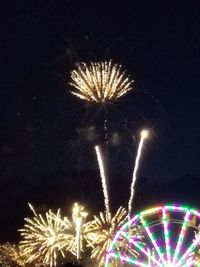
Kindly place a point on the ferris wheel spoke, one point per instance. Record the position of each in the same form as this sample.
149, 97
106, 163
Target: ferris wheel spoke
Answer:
141, 249
153, 240
165, 221
188, 251
181, 237
164, 241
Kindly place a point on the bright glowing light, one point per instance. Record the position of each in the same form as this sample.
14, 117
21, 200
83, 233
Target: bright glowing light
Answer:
101, 231
100, 82
144, 135
171, 239
46, 237
10, 255
78, 215
151, 211
103, 177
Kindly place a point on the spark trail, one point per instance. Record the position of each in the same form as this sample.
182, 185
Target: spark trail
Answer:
103, 177
144, 135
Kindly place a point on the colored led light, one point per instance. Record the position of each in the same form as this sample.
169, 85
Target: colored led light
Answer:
167, 251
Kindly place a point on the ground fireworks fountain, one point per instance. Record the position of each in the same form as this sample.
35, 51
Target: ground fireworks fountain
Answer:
79, 215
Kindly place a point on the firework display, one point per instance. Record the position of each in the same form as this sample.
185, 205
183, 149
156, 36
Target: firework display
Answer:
164, 236
170, 234
100, 82
45, 238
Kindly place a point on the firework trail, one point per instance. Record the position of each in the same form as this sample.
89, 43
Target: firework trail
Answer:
144, 135
103, 177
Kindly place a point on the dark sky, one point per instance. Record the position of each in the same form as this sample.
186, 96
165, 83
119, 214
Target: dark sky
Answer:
43, 158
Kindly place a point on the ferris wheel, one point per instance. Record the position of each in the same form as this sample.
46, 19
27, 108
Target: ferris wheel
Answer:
167, 236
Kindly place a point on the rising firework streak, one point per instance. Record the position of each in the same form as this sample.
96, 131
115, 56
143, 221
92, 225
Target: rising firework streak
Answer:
103, 177
144, 135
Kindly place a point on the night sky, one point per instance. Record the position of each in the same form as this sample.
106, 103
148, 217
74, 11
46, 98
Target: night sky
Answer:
47, 135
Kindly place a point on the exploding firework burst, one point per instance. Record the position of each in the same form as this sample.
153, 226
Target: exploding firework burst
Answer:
10, 255
100, 82
47, 237
101, 231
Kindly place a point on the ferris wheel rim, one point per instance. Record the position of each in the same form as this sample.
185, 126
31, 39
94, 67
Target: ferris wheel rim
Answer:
187, 211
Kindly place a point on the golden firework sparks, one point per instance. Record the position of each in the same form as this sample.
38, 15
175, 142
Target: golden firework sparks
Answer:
46, 237
10, 255
101, 231
100, 82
